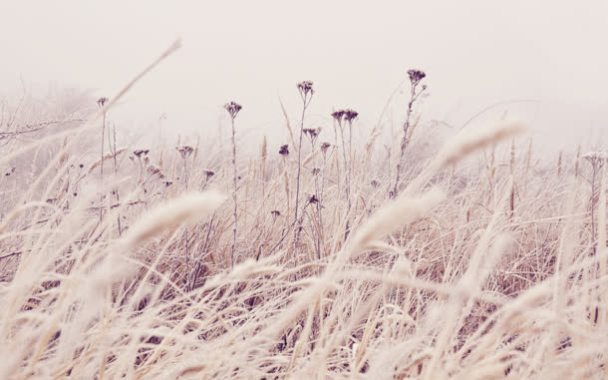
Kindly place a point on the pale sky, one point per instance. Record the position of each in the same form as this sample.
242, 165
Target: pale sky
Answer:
475, 52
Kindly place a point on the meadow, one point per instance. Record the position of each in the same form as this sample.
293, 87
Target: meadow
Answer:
469, 257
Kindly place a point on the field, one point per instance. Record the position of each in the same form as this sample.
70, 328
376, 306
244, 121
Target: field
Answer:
473, 257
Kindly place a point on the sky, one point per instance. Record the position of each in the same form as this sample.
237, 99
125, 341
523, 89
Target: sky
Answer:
545, 61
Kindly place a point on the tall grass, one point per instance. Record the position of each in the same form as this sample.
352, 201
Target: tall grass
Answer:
453, 276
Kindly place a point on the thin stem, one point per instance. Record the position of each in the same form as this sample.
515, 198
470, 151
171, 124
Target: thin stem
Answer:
234, 200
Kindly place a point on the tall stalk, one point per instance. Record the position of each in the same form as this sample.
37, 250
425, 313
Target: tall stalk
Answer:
415, 77
101, 102
306, 93
233, 109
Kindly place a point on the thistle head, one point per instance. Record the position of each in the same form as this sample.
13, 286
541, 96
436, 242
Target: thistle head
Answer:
233, 109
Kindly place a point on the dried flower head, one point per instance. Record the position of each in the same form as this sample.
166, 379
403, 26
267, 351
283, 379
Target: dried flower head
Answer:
313, 199
375, 183
338, 115
596, 159
141, 152
350, 115
233, 108
316, 171
185, 151
168, 183
305, 88
325, 146
154, 170
102, 101
209, 173
284, 150
312, 132
275, 213
416, 76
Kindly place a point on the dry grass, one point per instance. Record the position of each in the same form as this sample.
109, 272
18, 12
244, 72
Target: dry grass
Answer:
474, 270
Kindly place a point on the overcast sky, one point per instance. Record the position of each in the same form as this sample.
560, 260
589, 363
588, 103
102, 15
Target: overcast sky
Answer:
552, 54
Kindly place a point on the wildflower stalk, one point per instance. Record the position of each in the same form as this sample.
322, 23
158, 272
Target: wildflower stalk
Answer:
101, 102
415, 77
306, 93
233, 109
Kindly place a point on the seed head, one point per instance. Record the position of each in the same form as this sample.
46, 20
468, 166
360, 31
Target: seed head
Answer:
233, 108
185, 151
316, 171
325, 146
338, 115
284, 150
350, 115
275, 213
141, 152
416, 76
154, 170
312, 133
313, 199
305, 88
209, 173
102, 101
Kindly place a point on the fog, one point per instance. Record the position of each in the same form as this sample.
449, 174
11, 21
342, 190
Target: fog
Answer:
544, 61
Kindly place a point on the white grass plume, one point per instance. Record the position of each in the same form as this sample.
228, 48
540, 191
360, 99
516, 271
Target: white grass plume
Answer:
187, 208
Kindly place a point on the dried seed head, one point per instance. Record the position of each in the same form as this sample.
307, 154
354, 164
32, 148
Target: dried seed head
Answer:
316, 171
375, 183
233, 108
312, 133
596, 159
275, 213
284, 150
305, 88
312, 199
154, 170
209, 173
101, 102
141, 152
338, 115
350, 115
416, 76
185, 151
325, 146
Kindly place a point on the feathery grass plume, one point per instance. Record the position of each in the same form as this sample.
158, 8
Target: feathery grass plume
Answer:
469, 141
187, 208
394, 215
